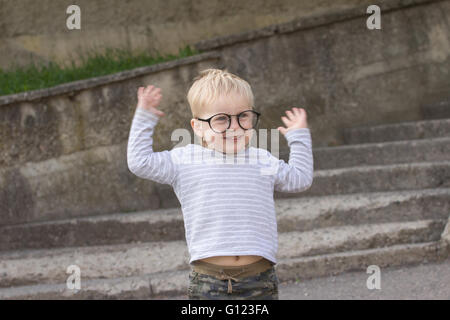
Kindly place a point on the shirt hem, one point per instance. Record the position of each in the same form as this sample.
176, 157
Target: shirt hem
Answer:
234, 253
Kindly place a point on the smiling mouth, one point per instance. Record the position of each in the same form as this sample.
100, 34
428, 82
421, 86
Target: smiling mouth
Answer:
232, 138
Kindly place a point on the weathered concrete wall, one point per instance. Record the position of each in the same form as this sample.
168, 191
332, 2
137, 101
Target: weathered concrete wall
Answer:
64, 149
36, 30
64, 154
344, 74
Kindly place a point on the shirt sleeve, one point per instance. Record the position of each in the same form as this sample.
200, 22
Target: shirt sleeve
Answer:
297, 175
142, 161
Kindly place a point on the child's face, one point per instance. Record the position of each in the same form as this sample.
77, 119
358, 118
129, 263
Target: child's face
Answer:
225, 142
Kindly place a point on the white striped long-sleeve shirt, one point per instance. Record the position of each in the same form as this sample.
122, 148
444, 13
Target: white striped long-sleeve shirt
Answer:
227, 202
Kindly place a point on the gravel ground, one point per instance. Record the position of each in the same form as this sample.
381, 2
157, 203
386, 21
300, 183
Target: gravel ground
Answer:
425, 281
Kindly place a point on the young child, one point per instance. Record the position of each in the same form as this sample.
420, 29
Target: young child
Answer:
228, 208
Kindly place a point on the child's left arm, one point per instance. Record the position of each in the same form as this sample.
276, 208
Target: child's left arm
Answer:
297, 175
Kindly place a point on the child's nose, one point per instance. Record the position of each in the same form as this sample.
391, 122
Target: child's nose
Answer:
234, 123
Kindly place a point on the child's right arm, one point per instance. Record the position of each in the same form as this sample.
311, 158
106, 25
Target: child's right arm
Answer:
142, 161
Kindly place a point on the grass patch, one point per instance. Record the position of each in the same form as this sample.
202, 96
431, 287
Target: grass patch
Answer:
33, 77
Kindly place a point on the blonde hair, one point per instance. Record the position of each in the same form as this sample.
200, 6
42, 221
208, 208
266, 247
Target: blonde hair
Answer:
210, 84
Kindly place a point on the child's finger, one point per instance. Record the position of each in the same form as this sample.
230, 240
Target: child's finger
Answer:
159, 112
154, 90
282, 130
148, 89
290, 115
303, 111
285, 121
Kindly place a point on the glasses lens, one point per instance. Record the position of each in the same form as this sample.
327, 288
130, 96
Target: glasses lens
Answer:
248, 119
219, 123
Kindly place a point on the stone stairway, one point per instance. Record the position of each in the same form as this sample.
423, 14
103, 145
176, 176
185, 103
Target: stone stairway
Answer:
383, 198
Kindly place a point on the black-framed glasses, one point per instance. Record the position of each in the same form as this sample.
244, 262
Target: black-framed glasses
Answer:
220, 122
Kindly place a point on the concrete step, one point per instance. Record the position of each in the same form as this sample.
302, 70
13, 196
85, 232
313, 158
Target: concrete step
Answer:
173, 284
382, 153
143, 226
294, 214
409, 176
409, 130
26, 267
155, 286
437, 110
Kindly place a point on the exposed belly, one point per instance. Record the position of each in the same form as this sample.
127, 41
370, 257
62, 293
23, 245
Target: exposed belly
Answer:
232, 260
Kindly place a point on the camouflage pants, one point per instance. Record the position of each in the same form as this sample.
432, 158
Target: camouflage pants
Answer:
263, 286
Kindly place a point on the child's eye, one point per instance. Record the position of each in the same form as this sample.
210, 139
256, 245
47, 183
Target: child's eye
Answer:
221, 119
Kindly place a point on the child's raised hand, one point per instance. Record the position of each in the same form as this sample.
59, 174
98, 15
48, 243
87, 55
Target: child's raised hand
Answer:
296, 119
149, 98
